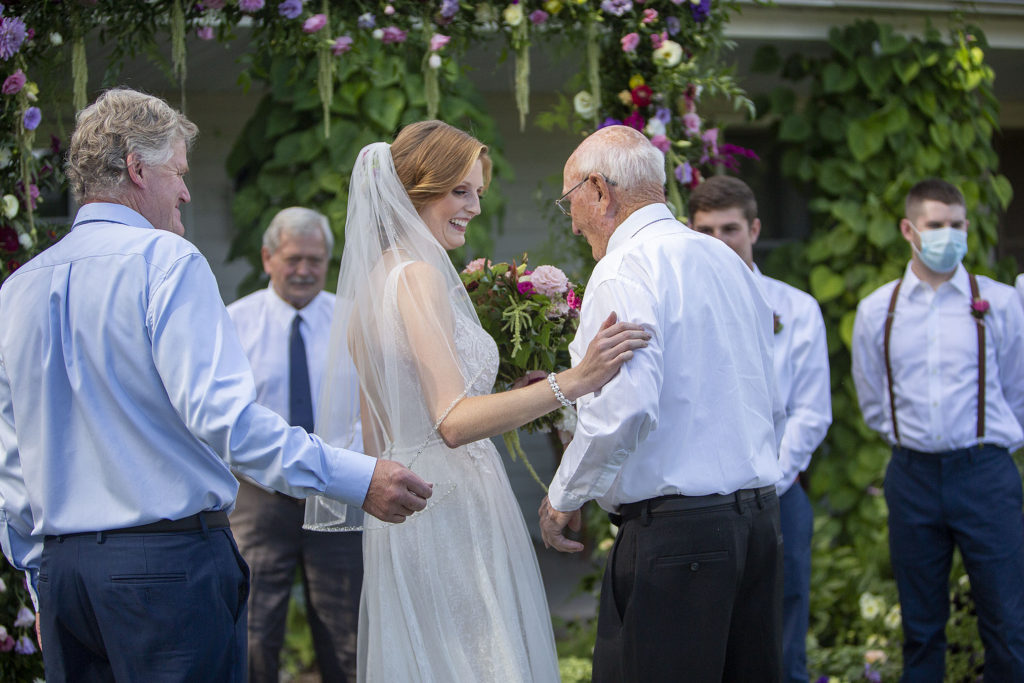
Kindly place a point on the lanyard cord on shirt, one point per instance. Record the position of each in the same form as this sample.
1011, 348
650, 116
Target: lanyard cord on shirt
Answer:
981, 358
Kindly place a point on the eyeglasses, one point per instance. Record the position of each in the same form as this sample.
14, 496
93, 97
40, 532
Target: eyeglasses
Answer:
560, 201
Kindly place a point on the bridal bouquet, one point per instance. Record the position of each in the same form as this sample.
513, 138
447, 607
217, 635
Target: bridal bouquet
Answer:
532, 315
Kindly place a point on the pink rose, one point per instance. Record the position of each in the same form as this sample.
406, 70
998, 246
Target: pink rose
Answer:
342, 44
629, 42
438, 41
205, 32
691, 123
476, 264
389, 10
979, 307
662, 143
650, 16
14, 83
549, 281
314, 23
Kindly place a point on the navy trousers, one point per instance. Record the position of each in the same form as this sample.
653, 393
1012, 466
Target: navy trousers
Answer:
797, 526
971, 499
151, 608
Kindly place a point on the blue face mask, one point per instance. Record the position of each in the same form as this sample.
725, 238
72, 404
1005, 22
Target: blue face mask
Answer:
942, 249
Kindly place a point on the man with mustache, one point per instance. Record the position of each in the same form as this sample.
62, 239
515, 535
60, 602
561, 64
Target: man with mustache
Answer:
285, 331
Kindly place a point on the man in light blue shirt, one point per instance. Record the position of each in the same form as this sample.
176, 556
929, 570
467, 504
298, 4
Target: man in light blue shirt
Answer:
125, 399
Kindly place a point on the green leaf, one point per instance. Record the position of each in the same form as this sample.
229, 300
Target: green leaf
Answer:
865, 139
838, 79
794, 128
846, 328
383, 106
881, 231
832, 177
825, 284
766, 60
939, 135
907, 70
928, 159
1003, 190
927, 102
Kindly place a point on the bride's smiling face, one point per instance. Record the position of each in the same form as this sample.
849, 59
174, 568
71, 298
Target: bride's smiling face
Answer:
448, 216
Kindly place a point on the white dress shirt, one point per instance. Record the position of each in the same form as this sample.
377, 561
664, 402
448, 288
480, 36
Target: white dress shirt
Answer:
934, 357
696, 411
264, 323
801, 372
125, 397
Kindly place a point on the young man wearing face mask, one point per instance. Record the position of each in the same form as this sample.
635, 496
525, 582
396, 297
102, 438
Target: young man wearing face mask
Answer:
938, 362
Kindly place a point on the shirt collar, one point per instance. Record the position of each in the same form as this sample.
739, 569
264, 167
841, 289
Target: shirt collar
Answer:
280, 310
960, 280
636, 221
110, 212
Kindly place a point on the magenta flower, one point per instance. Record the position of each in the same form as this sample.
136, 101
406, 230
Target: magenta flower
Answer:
205, 32
635, 120
393, 34
650, 16
214, 4
525, 287
250, 5
7, 643
342, 44
662, 143
32, 118
314, 23
12, 35
630, 41
14, 83
573, 300
979, 307
538, 17
290, 9
9, 239
438, 41
642, 95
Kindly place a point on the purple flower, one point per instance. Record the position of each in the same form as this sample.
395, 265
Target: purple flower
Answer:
872, 675
684, 173
25, 618
32, 118
525, 287
214, 4
205, 32
24, 646
662, 143
366, 21
12, 35
393, 34
617, 7
663, 114
14, 83
7, 643
630, 41
250, 5
342, 44
609, 122
290, 9
691, 124
449, 8
539, 16
314, 23
672, 24
701, 10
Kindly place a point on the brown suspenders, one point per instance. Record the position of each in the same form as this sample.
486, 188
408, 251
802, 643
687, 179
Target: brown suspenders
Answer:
981, 358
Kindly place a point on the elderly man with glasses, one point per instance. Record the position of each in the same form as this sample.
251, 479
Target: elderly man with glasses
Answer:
681, 446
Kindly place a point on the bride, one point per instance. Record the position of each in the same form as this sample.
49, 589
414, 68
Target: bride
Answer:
455, 593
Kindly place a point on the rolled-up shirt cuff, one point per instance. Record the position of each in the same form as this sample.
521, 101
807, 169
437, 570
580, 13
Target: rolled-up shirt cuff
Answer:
348, 475
31, 579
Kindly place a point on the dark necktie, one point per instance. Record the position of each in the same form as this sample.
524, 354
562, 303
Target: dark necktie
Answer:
300, 399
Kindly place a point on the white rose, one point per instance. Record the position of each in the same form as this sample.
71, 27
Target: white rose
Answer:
513, 15
434, 61
669, 54
10, 205
584, 104
26, 240
654, 127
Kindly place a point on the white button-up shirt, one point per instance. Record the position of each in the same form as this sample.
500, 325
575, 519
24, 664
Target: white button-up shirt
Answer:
264, 323
696, 411
934, 358
801, 371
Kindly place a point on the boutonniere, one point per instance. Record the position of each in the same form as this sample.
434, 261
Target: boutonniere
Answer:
777, 321
979, 307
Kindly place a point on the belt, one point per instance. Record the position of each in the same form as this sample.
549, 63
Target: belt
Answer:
201, 521
680, 503
976, 449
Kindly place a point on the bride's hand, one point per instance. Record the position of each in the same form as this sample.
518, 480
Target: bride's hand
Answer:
612, 346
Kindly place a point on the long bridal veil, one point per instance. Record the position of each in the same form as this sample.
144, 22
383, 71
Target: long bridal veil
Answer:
397, 300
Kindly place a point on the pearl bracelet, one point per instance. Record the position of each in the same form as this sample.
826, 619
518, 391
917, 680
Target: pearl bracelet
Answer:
558, 391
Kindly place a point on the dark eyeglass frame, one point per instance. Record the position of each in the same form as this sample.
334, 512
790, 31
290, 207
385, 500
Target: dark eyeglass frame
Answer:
558, 202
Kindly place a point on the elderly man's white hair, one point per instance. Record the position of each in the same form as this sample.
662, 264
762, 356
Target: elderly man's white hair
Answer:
297, 221
623, 155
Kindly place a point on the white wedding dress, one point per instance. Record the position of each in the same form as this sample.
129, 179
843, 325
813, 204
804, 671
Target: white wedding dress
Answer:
454, 593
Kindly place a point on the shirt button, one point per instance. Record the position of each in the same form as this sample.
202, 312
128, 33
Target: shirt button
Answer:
694, 566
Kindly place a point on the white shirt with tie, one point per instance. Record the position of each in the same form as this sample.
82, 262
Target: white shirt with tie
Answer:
696, 411
934, 358
264, 321
802, 374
